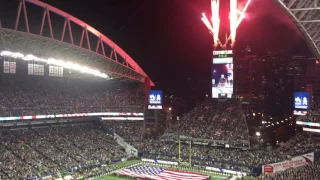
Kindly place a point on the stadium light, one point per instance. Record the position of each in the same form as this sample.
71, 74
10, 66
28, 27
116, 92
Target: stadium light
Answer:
52, 61
258, 134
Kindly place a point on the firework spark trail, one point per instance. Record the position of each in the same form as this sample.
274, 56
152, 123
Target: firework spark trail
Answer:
207, 22
233, 21
242, 13
236, 16
215, 21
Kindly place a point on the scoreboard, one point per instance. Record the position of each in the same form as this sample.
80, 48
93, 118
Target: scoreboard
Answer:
222, 74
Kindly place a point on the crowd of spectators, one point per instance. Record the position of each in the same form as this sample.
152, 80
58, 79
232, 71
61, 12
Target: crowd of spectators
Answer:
130, 131
308, 172
40, 151
313, 114
134, 132
232, 158
47, 150
33, 95
213, 120
213, 153
203, 122
301, 143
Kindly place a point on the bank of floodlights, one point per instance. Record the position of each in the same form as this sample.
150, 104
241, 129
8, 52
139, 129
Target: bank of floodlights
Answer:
56, 62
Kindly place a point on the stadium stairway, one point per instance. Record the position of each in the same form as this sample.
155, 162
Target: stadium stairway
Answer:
103, 127
234, 178
120, 141
128, 148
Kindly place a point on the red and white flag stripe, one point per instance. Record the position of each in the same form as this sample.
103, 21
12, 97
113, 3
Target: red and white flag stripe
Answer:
165, 175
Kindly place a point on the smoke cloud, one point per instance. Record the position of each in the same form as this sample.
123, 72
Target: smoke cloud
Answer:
264, 8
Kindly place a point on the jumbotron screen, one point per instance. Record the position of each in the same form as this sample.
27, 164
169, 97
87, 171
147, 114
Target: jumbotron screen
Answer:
222, 74
301, 103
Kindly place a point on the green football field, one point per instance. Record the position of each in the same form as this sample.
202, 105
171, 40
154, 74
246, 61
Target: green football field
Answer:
110, 178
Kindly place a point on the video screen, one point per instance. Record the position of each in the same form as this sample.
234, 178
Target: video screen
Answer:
222, 80
301, 100
155, 97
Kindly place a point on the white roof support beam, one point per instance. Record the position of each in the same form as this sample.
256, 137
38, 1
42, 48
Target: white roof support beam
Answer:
306, 16
305, 9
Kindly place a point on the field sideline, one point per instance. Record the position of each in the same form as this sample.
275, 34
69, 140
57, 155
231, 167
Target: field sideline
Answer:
111, 177
131, 162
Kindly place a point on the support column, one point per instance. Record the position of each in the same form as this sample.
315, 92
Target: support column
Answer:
146, 90
156, 120
146, 97
168, 118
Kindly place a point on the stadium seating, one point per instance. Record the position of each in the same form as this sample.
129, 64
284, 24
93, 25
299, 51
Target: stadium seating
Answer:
44, 150
313, 114
33, 95
214, 154
305, 172
130, 131
212, 120
38, 151
231, 158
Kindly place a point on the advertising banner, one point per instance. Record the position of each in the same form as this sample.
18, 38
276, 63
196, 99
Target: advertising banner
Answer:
300, 113
293, 163
13, 67
41, 70
6, 68
30, 69
60, 72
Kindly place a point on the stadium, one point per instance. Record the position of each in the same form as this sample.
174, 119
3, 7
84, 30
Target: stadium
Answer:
74, 105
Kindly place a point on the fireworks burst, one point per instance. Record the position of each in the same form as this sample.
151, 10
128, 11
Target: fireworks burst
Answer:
236, 16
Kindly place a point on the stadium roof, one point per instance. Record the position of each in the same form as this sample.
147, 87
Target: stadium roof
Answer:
306, 15
98, 52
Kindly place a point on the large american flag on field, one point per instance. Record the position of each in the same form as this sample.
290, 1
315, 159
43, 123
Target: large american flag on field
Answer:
157, 173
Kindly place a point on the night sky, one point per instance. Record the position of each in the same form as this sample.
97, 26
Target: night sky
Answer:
169, 41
